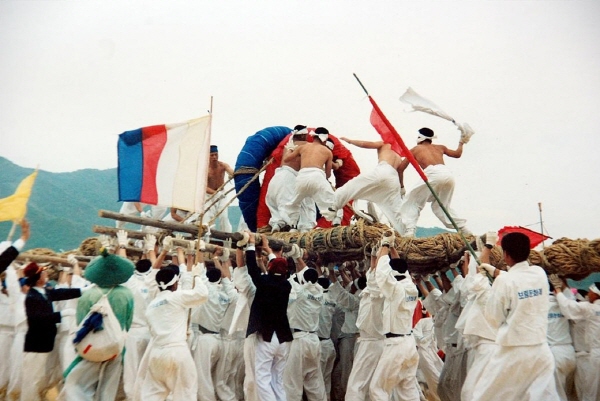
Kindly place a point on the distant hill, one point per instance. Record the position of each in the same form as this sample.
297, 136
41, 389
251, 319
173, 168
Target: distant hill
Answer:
63, 206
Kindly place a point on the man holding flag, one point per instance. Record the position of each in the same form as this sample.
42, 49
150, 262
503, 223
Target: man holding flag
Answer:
431, 159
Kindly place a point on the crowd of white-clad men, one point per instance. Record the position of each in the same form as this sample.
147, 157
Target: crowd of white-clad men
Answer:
263, 324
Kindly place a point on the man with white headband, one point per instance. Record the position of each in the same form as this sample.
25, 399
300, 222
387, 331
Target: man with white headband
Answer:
431, 159
282, 188
587, 313
522, 365
381, 185
312, 180
170, 367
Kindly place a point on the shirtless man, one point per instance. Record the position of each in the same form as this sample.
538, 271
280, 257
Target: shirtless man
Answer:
431, 159
311, 181
380, 185
216, 178
282, 188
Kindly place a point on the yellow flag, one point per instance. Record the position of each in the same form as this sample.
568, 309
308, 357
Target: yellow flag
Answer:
14, 207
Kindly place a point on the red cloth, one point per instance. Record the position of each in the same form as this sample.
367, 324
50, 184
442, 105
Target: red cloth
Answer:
534, 237
389, 135
348, 171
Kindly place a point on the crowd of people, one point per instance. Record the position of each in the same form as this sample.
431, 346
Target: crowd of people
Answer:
260, 320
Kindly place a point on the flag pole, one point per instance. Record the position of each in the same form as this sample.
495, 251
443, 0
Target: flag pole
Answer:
419, 170
541, 223
201, 217
12, 231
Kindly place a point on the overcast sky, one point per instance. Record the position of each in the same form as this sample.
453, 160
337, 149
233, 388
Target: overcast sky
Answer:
524, 75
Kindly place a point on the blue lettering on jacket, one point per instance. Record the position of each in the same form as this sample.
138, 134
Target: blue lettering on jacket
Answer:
529, 293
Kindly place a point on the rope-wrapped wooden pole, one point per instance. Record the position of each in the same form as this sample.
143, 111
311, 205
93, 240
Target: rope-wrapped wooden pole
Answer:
166, 225
28, 257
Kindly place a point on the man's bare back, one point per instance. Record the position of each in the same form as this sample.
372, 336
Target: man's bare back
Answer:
294, 163
428, 154
384, 151
312, 154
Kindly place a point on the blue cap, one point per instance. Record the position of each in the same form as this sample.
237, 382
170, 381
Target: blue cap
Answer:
214, 149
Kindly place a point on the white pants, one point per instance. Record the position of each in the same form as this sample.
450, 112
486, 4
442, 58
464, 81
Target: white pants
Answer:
564, 360
431, 365
93, 381
527, 373
249, 367
206, 354
135, 346
327, 361
227, 368
303, 369
366, 358
442, 181
341, 372
280, 192
587, 375
381, 186
7, 335
396, 370
171, 371
34, 376
222, 221
480, 355
16, 362
270, 364
311, 183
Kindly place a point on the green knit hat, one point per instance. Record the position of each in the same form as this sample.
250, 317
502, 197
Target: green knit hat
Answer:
108, 270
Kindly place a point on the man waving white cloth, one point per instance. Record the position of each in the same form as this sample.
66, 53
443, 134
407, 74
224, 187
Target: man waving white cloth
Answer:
397, 368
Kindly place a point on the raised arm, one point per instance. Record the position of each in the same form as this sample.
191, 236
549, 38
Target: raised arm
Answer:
456, 153
364, 144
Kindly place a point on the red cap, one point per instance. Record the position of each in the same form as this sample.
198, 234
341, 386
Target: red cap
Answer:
32, 269
278, 266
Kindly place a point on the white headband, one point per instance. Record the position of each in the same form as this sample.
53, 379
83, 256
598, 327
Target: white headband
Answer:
421, 138
594, 289
164, 286
300, 132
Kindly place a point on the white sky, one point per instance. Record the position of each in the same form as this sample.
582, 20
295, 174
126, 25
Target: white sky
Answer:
525, 75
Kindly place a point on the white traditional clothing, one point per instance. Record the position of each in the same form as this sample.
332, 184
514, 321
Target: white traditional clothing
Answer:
381, 186
218, 200
590, 314
397, 367
328, 353
430, 363
280, 192
370, 342
440, 178
561, 345
207, 346
477, 331
303, 368
518, 306
138, 336
170, 367
349, 303
310, 183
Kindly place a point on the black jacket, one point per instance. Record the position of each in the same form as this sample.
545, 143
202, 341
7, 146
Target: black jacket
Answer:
268, 313
7, 257
42, 319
